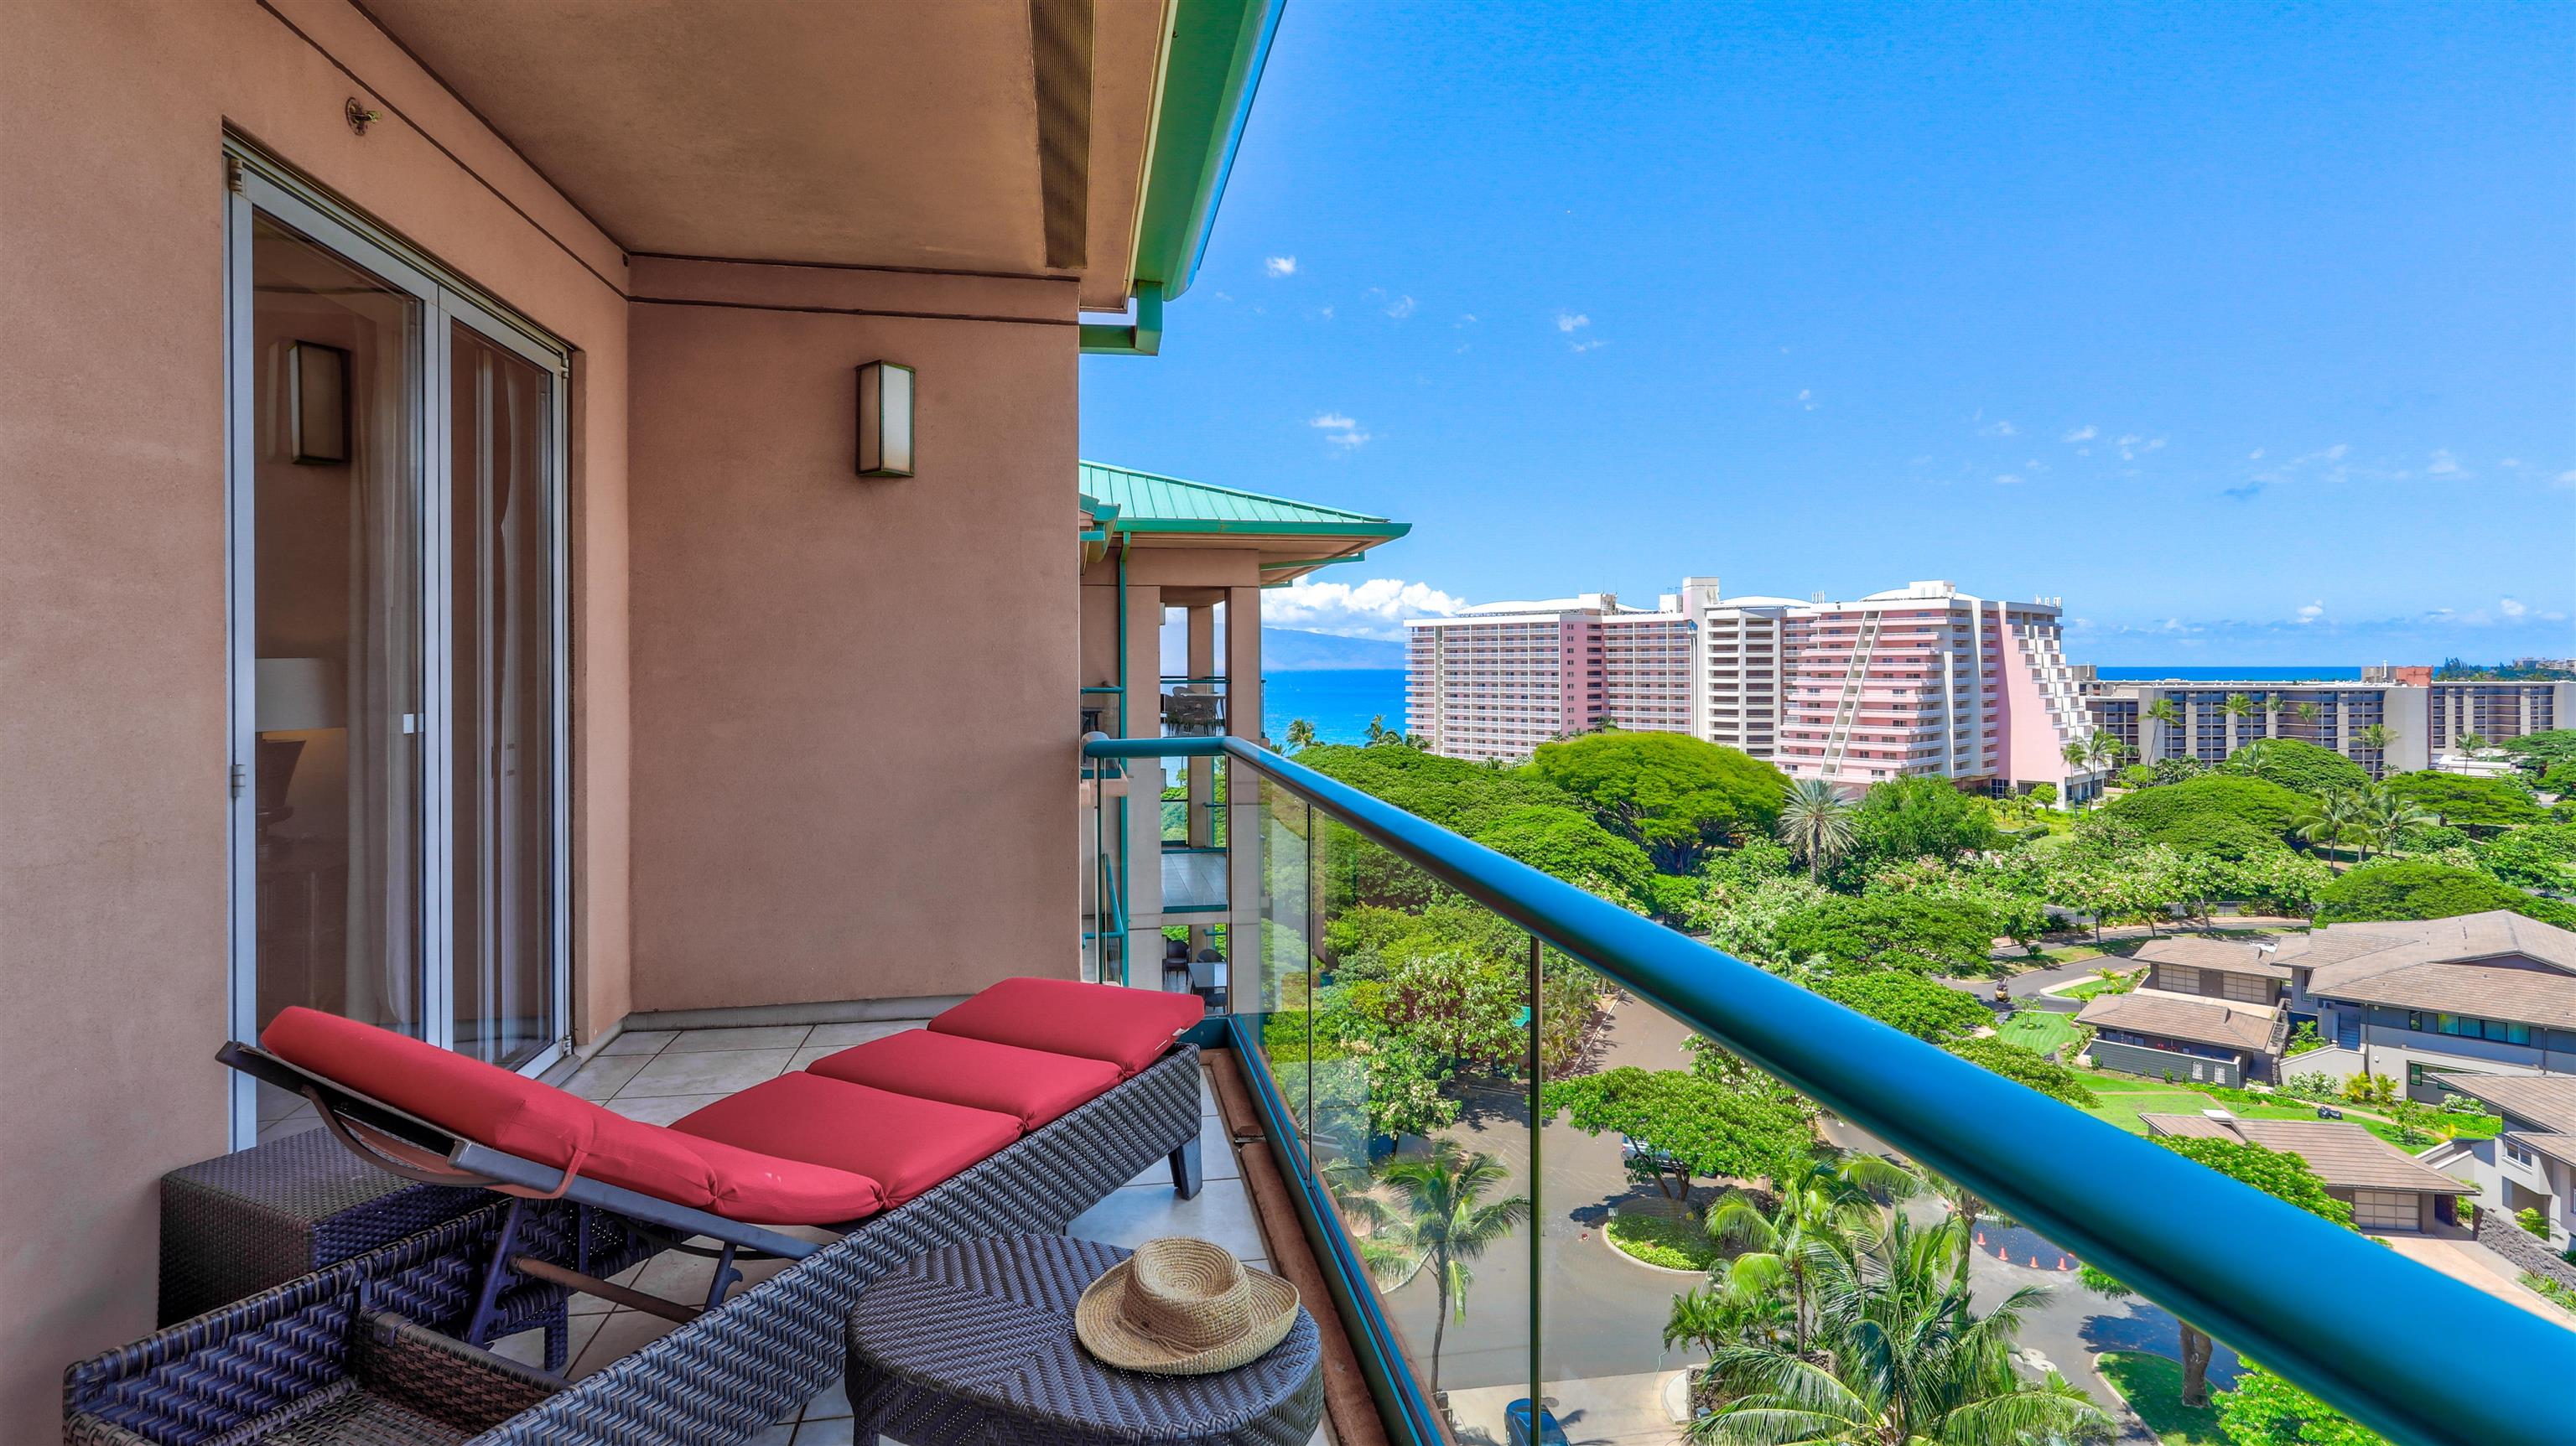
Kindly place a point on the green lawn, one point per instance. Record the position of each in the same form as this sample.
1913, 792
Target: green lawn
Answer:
2089, 988
1662, 1240
2125, 1097
2124, 1100
2153, 1385
2038, 1029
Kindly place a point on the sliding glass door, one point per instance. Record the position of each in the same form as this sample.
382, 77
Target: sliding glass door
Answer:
398, 624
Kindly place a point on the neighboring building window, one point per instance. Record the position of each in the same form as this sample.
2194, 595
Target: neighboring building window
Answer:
2468, 1026
2516, 1152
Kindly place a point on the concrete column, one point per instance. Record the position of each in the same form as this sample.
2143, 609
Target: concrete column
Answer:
1199, 827
1243, 789
1143, 879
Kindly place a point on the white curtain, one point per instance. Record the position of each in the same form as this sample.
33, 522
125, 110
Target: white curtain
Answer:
384, 679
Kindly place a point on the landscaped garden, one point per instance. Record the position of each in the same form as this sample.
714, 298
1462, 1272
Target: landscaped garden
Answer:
2040, 1030
1673, 1242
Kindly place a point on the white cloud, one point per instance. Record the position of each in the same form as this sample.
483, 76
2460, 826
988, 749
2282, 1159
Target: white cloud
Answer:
1341, 431
1998, 429
2445, 465
1400, 308
1280, 265
1806, 399
2008, 479
1570, 321
2254, 456
1467, 319
2085, 433
2312, 611
1373, 609
1326, 313
2510, 462
2567, 478
2512, 607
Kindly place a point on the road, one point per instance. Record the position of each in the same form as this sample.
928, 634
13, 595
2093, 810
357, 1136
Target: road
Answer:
1602, 1357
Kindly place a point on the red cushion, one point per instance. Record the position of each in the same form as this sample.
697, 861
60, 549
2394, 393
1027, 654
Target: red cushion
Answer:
1030, 1085
515, 1114
904, 1144
1129, 1028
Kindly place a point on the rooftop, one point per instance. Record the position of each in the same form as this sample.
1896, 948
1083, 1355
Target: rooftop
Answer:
2547, 1100
2247, 1027
2227, 955
1293, 538
2343, 1154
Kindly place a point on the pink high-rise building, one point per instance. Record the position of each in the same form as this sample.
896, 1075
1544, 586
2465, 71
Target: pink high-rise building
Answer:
1921, 680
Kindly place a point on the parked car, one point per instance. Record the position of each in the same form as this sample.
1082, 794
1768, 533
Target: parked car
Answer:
1516, 1426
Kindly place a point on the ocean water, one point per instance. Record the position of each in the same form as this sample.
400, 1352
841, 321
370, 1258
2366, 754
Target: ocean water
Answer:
1341, 701
1338, 701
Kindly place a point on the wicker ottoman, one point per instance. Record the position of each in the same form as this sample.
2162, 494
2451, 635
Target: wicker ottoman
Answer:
973, 1345
238, 1224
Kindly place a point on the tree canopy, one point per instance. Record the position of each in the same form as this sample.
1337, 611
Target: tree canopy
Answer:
2542, 856
1673, 795
2464, 802
1888, 931
1701, 1125
2299, 765
2421, 889
2277, 1173
1450, 792
2183, 814
1912, 818
1565, 843
2024, 1065
1908, 1002
2549, 748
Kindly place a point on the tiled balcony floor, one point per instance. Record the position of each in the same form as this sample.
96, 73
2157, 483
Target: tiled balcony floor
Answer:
662, 1075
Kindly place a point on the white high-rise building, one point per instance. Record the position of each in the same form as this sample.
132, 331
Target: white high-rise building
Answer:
1919, 680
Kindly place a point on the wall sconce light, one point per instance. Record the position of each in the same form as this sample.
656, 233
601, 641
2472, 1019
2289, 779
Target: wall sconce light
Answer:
885, 419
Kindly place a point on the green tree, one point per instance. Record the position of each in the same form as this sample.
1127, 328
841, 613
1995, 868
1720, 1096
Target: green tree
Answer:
2308, 719
1908, 1002
1673, 795
1688, 1125
2414, 889
1889, 931
2164, 712
2300, 767
1811, 1226
1905, 1357
2263, 1409
2470, 803
1815, 823
2471, 744
2237, 707
1301, 734
1909, 818
1566, 844
1449, 1224
2332, 819
2181, 813
2385, 815
2542, 751
2542, 856
2026, 1066
2374, 740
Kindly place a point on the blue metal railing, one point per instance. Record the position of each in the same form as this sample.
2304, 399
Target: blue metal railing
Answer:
2418, 1356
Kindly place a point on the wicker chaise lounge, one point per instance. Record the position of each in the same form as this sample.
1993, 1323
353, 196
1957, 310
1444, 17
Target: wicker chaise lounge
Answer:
1064, 1092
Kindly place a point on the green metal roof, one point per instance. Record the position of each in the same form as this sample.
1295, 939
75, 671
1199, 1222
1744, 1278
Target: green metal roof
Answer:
1150, 502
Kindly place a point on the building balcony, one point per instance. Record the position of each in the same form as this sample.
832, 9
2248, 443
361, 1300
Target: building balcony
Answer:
1555, 1315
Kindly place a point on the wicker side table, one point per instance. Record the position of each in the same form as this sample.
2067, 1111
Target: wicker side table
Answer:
237, 1224
973, 1345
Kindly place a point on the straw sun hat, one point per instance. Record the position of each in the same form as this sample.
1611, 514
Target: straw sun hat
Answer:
1183, 1307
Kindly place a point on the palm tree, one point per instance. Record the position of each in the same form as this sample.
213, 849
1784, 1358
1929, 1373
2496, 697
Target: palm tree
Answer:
2331, 819
1816, 823
2375, 740
1813, 1227
2471, 744
1301, 734
2238, 707
1904, 1357
2105, 749
2308, 715
1449, 1223
2163, 711
2383, 814
2272, 705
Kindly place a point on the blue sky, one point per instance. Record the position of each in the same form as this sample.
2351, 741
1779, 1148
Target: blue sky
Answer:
2249, 330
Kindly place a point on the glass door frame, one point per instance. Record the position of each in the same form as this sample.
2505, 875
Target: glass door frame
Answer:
256, 184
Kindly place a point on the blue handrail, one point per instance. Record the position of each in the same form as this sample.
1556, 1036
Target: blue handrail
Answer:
2414, 1354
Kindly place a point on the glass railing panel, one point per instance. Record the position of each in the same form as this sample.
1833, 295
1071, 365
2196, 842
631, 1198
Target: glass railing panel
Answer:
1273, 966
1420, 1126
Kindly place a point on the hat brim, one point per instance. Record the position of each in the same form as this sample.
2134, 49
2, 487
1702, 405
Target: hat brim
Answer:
1100, 1323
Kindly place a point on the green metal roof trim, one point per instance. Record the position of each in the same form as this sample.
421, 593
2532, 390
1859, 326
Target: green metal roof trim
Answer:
1216, 52
1151, 502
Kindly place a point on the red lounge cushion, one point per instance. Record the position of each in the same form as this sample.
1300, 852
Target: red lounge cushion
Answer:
538, 1122
905, 1144
1030, 1085
1129, 1028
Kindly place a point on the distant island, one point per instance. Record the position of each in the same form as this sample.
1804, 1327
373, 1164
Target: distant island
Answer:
1293, 650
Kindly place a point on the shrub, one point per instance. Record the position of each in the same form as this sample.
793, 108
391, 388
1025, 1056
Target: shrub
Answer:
2295, 764
2304, 1038
1907, 931
1674, 1244
2370, 1089
2312, 1085
2542, 856
2532, 1221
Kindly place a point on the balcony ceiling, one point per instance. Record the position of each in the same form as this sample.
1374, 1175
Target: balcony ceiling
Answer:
859, 132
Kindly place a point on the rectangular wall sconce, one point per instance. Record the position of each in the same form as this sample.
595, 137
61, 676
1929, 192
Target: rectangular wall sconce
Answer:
317, 403
885, 419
